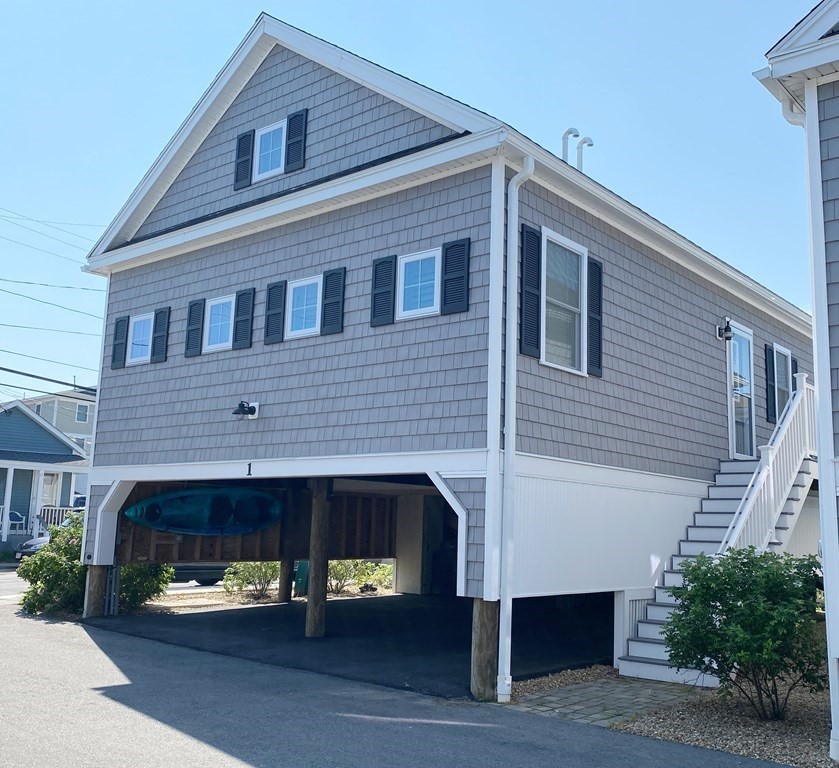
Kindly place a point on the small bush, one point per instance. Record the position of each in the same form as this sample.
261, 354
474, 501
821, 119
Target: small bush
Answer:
749, 618
341, 573
139, 582
378, 574
256, 578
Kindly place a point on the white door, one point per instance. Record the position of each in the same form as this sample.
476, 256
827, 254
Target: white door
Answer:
741, 426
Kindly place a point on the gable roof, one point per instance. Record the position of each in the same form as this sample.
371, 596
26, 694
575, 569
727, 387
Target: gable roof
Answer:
266, 33
21, 407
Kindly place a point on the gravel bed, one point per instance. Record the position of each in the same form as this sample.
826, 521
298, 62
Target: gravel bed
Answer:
730, 725
559, 679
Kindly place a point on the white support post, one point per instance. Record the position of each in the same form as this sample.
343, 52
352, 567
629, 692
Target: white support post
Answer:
7, 503
38, 496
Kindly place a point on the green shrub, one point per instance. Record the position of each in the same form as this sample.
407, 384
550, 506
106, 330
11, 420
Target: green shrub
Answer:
139, 582
56, 575
341, 573
378, 574
749, 618
256, 578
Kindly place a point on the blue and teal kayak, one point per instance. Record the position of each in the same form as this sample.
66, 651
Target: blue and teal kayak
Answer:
207, 511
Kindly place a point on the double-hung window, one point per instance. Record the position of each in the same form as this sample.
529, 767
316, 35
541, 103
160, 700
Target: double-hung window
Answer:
564, 275
783, 378
418, 284
139, 339
218, 324
304, 306
269, 157
82, 410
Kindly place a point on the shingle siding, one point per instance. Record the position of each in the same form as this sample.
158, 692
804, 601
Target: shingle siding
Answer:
472, 493
414, 385
348, 125
96, 495
20, 433
661, 404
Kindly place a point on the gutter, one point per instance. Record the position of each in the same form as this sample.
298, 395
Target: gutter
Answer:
504, 682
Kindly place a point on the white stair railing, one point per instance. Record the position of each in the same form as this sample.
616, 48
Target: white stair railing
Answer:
793, 440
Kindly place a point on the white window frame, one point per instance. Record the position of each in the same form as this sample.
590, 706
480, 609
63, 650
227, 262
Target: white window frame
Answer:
257, 176
582, 252
434, 309
205, 336
776, 348
729, 379
131, 324
289, 334
86, 406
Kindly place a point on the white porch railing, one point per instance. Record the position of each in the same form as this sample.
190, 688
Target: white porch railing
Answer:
50, 516
793, 440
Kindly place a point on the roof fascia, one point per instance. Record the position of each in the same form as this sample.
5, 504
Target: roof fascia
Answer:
606, 205
44, 424
444, 159
251, 52
807, 57
810, 29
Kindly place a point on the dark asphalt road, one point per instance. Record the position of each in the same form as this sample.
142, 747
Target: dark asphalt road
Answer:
105, 699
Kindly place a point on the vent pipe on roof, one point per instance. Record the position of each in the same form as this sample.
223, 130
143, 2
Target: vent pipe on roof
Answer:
570, 133
581, 144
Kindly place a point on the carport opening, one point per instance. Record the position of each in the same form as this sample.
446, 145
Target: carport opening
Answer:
561, 632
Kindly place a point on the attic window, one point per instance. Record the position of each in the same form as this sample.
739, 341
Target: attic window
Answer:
270, 151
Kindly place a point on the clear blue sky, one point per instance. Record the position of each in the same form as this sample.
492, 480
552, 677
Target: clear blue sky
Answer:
92, 91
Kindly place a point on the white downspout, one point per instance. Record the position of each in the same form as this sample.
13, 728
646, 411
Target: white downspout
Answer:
504, 683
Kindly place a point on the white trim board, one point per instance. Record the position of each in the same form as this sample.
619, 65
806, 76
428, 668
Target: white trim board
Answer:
471, 462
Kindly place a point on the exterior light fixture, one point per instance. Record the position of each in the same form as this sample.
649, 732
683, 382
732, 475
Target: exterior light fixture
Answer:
724, 332
251, 410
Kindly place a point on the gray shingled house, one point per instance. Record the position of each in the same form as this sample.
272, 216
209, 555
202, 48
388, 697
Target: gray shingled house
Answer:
389, 288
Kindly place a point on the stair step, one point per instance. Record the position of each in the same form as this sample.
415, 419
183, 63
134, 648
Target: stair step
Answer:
694, 547
733, 478
726, 492
738, 465
677, 560
649, 629
672, 578
652, 669
648, 648
719, 505
706, 532
659, 611
713, 518
663, 595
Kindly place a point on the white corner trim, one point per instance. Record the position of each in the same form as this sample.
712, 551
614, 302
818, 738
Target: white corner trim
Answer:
462, 523
436, 162
107, 522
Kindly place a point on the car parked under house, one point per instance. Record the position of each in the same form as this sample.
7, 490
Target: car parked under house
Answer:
324, 278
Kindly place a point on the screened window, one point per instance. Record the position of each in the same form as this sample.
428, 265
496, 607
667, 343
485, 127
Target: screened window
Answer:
270, 150
418, 284
564, 312
218, 324
139, 339
303, 308
82, 412
783, 379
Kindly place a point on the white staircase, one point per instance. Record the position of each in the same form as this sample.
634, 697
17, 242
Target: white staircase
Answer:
750, 503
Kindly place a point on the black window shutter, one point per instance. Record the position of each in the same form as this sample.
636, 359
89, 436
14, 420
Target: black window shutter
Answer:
383, 291
275, 312
594, 309
771, 411
160, 336
531, 291
794, 366
120, 344
295, 142
332, 306
455, 271
244, 160
243, 318
194, 328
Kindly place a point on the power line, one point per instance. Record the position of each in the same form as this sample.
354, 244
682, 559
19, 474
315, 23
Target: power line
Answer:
51, 285
50, 224
45, 221
44, 234
84, 390
51, 303
47, 360
43, 392
51, 330
42, 250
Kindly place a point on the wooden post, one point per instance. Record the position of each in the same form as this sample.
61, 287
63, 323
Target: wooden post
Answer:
484, 649
286, 572
94, 591
318, 542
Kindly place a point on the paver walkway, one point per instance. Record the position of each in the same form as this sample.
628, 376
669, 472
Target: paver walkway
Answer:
606, 701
